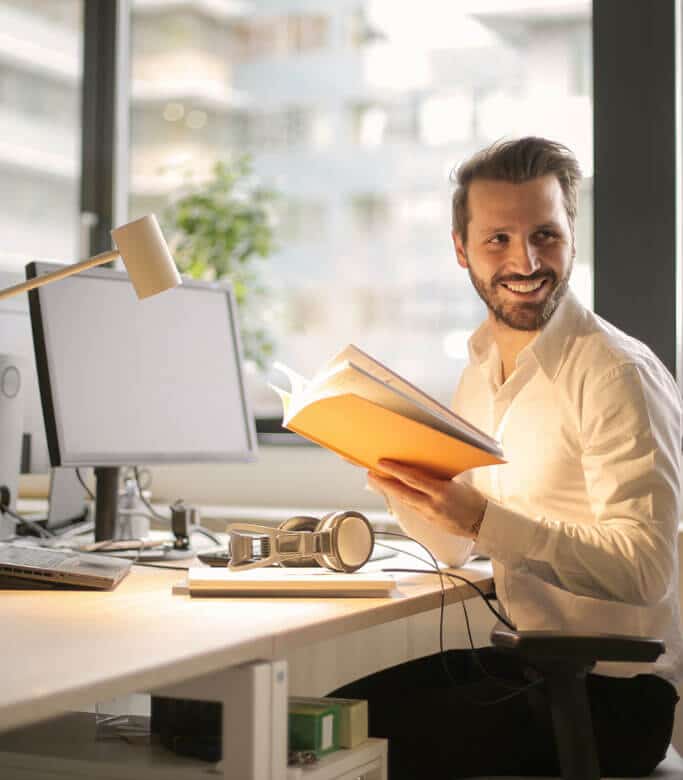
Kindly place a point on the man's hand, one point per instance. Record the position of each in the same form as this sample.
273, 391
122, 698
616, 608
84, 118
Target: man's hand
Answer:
453, 506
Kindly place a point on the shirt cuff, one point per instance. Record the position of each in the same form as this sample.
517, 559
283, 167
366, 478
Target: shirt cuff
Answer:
505, 535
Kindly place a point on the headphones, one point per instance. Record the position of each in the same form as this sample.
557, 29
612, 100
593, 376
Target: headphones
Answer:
341, 541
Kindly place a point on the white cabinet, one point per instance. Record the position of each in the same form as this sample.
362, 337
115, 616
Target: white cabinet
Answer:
66, 748
365, 762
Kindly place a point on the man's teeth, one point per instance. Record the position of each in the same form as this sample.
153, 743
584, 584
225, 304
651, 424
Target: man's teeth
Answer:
523, 287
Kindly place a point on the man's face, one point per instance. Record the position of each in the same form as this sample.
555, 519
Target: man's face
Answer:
519, 250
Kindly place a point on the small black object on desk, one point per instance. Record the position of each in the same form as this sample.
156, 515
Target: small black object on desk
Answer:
217, 556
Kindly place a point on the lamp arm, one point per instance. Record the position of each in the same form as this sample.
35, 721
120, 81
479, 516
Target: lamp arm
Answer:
62, 273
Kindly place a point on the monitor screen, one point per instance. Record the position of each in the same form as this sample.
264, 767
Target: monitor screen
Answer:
125, 381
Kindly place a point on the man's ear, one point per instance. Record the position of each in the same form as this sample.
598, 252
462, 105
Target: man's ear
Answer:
459, 249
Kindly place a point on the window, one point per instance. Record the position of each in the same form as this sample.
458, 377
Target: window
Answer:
356, 119
40, 129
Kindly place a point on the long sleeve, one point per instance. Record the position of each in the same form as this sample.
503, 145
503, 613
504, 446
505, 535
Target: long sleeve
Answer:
446, 547
631, 440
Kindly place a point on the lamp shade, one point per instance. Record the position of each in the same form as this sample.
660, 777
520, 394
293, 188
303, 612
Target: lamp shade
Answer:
145, 254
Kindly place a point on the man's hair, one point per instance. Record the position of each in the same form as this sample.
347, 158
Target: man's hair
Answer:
516, 161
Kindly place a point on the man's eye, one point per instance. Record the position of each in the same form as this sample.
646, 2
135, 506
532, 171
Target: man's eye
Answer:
545, 235
498, 238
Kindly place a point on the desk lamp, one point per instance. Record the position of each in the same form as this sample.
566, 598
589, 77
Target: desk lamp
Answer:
142, 247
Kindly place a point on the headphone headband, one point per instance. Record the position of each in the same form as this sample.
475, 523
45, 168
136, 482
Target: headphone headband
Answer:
341, 541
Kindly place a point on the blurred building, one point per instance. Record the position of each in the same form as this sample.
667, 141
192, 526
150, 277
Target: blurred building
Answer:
355, 110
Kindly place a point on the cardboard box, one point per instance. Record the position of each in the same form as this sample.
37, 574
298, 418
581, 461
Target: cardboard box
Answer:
313, 726
353, 718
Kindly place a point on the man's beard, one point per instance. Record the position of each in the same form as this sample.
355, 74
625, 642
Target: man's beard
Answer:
521, 315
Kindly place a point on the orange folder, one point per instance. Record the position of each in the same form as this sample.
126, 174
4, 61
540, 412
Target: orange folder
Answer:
364, 432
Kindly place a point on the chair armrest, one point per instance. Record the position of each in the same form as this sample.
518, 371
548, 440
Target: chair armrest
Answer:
575, 647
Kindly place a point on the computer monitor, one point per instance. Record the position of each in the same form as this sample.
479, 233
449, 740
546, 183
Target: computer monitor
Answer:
126, 382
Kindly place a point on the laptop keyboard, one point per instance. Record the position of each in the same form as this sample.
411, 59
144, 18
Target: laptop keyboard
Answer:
32, 556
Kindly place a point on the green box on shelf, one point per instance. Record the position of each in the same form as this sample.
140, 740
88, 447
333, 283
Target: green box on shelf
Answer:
353, 718
314, 726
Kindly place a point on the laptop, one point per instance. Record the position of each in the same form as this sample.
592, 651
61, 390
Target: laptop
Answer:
31, 567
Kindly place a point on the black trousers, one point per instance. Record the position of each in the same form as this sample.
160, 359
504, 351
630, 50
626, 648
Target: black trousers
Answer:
440, 730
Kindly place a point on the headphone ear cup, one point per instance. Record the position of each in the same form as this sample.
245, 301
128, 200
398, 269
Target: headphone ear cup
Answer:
328, 560
300, 523
351, 540
326, 521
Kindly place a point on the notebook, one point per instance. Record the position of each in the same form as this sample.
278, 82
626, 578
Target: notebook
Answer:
277, 581
28, 567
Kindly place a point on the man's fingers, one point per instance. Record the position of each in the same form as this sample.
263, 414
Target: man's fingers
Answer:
398, 490
411, 475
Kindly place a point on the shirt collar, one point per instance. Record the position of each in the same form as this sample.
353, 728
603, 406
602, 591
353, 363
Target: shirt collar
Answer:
549, 348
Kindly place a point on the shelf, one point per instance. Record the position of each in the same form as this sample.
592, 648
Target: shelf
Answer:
365, 762
66, 748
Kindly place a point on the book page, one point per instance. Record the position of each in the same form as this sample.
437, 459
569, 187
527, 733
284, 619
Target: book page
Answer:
356, 355
286, 399
297, 383
349, 379
353, 371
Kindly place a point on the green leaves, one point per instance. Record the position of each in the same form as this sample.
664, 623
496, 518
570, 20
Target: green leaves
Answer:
223, 229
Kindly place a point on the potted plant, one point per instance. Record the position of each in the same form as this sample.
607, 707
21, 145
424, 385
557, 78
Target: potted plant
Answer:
223, 229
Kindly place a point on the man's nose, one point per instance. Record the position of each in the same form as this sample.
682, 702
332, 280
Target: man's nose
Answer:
525, 257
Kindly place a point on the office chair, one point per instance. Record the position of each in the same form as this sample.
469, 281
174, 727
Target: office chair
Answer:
563, 661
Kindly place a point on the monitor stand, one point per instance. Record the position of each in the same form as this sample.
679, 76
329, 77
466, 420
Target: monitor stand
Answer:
106, 502
107, 510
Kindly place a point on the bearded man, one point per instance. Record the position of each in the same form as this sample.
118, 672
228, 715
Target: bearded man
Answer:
580, 522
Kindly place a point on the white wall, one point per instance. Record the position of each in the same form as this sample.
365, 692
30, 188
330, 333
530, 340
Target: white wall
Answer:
294, 476
283, 476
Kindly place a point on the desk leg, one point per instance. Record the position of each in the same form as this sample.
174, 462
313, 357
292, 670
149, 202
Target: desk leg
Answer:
254, 715
254, 698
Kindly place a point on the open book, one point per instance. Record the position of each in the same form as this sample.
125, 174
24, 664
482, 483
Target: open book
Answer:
363, 411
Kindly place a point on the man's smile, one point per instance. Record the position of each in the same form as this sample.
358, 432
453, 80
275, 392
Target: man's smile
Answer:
532, 290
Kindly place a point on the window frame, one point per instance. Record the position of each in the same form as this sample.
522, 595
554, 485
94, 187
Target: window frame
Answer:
105, 139
636, 208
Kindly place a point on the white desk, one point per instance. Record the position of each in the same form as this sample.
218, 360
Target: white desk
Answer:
66, 650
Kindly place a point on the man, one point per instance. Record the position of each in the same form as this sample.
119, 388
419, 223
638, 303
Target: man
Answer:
580, 522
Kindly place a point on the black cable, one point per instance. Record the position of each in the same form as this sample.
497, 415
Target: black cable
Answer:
196, 529
475, 655
85, 487
199, 529
517, 690
156, 514
442, 608
43, 533
398, 551
442, 605
500, 617
493, 610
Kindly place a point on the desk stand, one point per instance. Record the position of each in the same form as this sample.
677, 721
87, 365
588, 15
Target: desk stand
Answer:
254, 699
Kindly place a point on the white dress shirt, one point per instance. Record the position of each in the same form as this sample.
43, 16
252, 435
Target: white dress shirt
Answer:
582, 519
